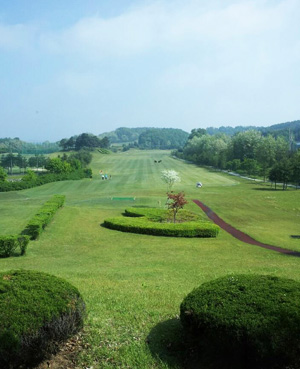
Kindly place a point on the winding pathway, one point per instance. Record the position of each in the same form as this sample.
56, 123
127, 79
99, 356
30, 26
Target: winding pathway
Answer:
241, 235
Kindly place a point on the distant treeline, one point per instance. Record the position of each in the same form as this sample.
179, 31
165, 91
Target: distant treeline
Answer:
249, 153
10, 145
288, 129
124, 135
148, 138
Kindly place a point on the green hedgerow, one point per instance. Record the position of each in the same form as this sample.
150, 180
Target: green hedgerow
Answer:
9, 244
43, 217
251, 321
37, 312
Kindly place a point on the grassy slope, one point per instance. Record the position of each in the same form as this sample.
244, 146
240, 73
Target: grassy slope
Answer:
133, 284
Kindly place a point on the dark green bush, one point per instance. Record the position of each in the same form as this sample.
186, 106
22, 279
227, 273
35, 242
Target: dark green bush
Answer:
36, 225
145, 226
37, 312
9, 244
249, 321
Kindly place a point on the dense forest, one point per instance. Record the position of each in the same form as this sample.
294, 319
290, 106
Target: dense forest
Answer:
249, 153
162, 138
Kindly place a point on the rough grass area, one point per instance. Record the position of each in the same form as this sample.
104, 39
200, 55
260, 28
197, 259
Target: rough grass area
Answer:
37, 312
133, 284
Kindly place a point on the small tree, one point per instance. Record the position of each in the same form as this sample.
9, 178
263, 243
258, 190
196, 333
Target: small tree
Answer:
29, 176
170, 177
56, 165
176, 201
3, 174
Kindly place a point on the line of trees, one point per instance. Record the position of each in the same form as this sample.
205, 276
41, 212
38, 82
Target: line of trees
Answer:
77, 160
248, 153
9, 161
9, 145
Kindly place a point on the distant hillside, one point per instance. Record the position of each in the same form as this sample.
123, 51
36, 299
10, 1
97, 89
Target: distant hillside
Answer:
281, 129
124, 135
284, 129
228, 130
148, 138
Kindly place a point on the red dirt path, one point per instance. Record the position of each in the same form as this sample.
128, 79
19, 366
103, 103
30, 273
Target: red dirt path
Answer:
241, 235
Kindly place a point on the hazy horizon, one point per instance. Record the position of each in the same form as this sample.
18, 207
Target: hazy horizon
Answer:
88, 66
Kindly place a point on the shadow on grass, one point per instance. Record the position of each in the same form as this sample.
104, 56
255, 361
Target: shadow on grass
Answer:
165, 342
15, 254
168, 343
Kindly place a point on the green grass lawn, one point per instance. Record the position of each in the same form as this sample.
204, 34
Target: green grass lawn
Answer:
133, 284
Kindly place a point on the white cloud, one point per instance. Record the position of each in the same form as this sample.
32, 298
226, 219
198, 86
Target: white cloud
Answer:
164, 25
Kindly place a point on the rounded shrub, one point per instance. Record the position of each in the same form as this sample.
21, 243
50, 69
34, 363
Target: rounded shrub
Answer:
248, 320
37, 312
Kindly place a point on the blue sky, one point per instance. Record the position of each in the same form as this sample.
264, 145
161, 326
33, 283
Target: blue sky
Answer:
71, 66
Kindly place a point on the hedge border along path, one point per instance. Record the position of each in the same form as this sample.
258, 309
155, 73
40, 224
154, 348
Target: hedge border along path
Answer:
241, 236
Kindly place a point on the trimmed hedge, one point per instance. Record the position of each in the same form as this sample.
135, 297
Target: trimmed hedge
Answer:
248, 321
145, 226
43, 179
37, 312
38, 223
9, 244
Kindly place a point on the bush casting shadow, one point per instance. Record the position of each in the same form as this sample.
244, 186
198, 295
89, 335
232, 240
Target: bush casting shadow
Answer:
168, 343
250, 321
38, 311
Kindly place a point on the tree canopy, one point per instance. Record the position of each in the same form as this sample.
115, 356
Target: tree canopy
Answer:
163, 138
